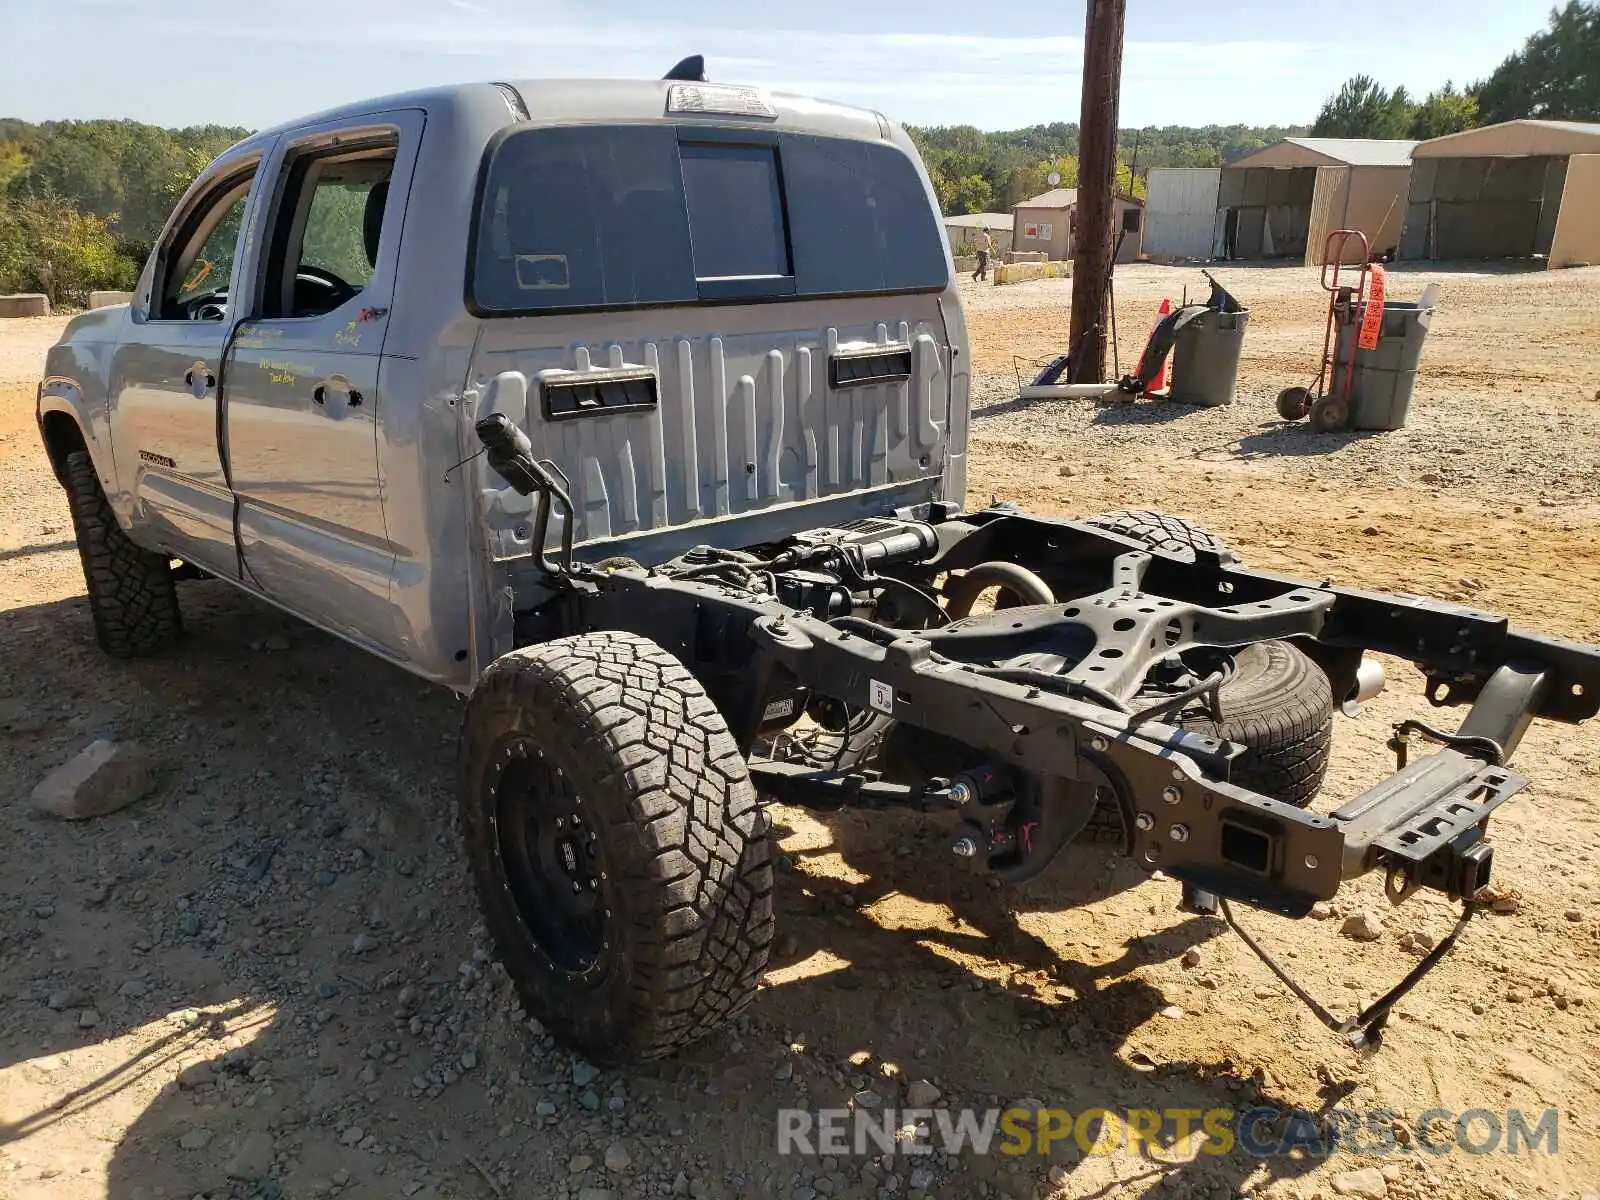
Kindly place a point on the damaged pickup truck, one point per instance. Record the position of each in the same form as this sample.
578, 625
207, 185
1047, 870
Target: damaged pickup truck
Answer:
638, 414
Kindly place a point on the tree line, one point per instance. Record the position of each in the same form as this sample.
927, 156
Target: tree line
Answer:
1555, 76
974, 171
82, 202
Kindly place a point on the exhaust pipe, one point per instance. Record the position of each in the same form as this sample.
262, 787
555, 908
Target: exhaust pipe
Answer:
1370, 680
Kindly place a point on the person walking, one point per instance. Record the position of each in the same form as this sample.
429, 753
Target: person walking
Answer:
985, 247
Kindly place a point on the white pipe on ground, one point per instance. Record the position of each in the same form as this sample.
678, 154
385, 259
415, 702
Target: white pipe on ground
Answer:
1064, 391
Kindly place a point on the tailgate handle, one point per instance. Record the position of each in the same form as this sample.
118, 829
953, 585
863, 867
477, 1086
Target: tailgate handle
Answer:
875, 364
566, 395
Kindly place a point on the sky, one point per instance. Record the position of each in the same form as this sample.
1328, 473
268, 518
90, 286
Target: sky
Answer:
940, 62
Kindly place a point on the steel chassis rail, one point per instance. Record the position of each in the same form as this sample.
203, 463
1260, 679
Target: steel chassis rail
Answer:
1424, 825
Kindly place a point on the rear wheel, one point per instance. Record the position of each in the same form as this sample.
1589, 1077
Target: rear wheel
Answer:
131, 593
619, 856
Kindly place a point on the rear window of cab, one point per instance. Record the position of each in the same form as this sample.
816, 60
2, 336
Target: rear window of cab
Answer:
623, 216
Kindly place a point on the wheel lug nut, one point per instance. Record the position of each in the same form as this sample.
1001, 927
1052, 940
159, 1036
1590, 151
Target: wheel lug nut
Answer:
1144, 821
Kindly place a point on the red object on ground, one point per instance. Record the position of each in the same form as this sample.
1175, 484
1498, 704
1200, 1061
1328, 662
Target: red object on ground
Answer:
1160, 380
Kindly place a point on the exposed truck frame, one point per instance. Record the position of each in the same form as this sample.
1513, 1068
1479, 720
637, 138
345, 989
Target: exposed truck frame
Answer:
1424, 826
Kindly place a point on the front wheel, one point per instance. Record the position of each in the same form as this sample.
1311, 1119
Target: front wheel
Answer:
614, 837
131, 593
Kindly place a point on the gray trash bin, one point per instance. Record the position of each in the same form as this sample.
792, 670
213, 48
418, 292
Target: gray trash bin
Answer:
1205, 358
1380, 388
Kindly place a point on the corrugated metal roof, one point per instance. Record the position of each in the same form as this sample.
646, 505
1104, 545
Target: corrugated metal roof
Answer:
1055, 198
1313, 152
1066, 198
982, 221
1527, 136
1572, 126
1361, 152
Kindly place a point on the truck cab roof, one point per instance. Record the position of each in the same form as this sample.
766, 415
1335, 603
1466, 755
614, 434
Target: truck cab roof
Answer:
563, 101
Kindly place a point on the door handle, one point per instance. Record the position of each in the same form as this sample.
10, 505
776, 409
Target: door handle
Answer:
197, 372
336, 383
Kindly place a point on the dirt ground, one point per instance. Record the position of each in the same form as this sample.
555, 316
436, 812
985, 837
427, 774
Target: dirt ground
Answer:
268, 979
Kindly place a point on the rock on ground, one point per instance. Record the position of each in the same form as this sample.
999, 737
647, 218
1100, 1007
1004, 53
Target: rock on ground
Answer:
253, 1159
1363, 926
101, 778
1368, 1182
197, 1138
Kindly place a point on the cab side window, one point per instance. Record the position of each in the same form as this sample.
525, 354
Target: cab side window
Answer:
325, 239
197, 264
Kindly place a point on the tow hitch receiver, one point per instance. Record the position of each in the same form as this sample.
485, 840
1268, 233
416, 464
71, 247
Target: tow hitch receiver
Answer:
1425, 825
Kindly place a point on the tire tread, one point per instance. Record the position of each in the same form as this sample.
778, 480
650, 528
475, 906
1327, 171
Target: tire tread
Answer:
690, 867
132, 596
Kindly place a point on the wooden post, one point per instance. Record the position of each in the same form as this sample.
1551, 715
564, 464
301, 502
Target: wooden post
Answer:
1097, 181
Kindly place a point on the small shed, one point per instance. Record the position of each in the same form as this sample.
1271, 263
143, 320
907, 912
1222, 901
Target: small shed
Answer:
1046, 223
1180, 209
1519, 189
1283, 201
963, 230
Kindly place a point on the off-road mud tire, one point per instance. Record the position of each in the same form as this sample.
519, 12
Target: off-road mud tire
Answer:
1277, 704
131, 593
684, 862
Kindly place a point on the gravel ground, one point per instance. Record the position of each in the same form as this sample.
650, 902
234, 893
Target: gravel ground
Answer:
1523, 430
267, 979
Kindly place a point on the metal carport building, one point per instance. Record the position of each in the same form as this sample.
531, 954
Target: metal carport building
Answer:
1520, 189
1283, 201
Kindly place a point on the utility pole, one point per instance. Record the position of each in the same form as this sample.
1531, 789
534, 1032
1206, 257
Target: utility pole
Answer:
1097, 181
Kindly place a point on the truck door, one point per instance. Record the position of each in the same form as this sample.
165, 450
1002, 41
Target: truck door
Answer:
164, 374
304, 385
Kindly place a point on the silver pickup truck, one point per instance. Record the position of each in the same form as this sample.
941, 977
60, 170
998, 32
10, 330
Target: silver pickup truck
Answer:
637, 412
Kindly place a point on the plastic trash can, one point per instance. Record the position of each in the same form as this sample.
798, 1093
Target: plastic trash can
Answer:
1205, 358
1381, 385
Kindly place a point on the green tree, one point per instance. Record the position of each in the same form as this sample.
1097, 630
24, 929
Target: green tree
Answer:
66, 253
1444, 111
1362, 108
1016, 163
13, 251
969, 194
1556, 74
81, 201
1128, 182
13, 161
